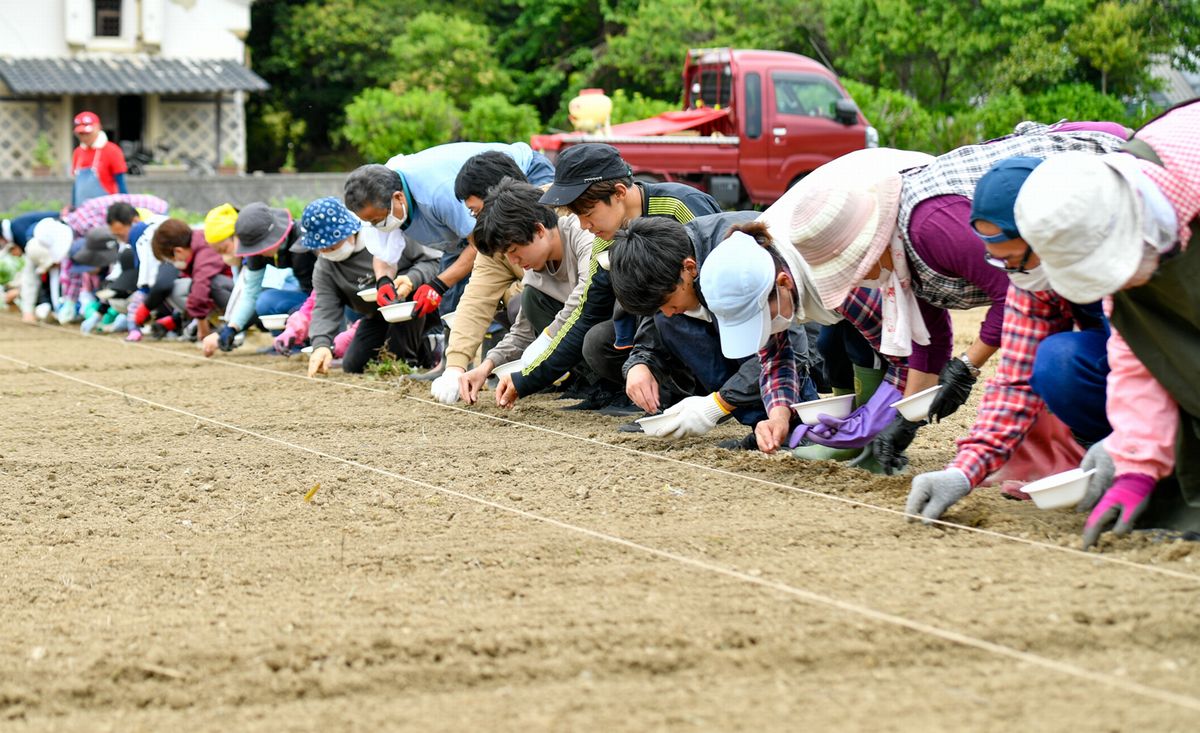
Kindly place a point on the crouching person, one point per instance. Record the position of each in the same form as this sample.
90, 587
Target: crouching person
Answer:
343, 268
205, 281
656, 267
555, 254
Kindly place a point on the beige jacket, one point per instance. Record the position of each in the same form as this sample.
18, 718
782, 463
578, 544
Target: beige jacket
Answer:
493, 279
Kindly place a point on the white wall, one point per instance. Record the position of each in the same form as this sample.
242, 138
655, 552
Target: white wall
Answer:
32, 29
205, 29
184, 28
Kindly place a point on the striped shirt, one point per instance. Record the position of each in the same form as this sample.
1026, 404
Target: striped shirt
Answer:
596, 301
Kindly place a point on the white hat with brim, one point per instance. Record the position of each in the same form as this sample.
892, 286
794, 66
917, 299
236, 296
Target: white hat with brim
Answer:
736, 280
841, 232
49, 244
1081, 215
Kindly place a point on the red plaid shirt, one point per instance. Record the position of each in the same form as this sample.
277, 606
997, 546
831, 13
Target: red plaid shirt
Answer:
779, 381
1009, 405
93, 212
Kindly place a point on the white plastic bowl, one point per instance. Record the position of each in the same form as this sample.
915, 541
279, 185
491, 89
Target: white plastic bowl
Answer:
397, 312
276, 322
368, 294
653, 425
839, 406
448, 320
306, 350
105, 294
1060, 490
508, 368
916, 408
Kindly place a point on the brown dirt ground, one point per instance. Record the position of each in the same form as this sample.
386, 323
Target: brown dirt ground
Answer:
162, 572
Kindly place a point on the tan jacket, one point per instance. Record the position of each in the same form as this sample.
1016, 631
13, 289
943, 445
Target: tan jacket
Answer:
493, 279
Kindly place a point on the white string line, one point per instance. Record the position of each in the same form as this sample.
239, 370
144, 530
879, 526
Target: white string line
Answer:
1071, 551
1054, 665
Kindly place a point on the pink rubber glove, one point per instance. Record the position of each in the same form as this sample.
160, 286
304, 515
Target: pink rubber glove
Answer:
1123, 503
286, 340
341, 342
300, 320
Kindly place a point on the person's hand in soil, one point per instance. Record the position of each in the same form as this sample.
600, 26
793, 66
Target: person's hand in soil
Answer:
694, 416
889, 445
286, 339
506, 393
772, 432
210, 344
934, 492
319, 360
1096, 458
642, 388
446, 388
225, 337
28, 318
471, 382
1121, 506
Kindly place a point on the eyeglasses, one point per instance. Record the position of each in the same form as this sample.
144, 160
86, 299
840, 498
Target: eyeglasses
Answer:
1002, 262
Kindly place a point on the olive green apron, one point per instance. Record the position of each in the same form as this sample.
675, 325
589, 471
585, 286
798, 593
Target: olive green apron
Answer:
1161, 323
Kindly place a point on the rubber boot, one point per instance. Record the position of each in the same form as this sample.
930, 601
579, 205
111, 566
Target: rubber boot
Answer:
866, 381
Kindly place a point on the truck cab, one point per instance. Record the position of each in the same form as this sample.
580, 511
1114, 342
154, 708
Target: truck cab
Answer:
753, 123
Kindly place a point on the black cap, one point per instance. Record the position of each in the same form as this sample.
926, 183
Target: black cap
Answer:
98, 249
579, 166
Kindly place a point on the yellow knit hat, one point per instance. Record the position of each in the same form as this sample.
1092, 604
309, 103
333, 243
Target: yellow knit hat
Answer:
219, 223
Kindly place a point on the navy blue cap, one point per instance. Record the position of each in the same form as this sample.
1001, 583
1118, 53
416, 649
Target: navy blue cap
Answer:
579, 166
996, 194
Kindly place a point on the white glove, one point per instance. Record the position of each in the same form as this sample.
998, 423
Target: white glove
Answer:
445, 388
692, 416
535, 349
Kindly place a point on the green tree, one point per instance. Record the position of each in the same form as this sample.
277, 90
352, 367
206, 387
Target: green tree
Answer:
380, 123
633, 106
492, 118
1114, 41
901, 120
450, 54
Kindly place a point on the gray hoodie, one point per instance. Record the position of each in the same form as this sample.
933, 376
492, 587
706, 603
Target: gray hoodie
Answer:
336, 285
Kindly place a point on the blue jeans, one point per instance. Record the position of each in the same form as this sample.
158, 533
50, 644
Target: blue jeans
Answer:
1070, 372
541, 170
272, 302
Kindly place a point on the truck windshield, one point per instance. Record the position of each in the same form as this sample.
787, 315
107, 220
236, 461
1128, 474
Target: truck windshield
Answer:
711, 86
802, 94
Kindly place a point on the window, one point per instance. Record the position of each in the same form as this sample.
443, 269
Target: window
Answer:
753, 105
108, 18
811, 96
711, 87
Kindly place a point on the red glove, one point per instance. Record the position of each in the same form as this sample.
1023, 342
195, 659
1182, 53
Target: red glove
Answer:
141, 314
386, 294
428, 297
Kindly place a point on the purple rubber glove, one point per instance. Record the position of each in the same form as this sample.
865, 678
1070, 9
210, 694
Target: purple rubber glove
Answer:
286, 340
855, 430
1122, 504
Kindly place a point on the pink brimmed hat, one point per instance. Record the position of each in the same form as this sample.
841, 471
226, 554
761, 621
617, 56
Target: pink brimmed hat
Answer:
841, 233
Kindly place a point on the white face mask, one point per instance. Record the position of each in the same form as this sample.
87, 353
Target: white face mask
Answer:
340, 253
1035, 280
390, 224
180, 265
877, 282
780, 322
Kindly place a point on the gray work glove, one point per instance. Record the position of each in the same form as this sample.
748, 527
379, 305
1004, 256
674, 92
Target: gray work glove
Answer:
1096, 457
934, 492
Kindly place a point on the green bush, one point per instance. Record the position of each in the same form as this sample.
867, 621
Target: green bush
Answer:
448, 53
901, 120
380, 124
630, 107
492, 118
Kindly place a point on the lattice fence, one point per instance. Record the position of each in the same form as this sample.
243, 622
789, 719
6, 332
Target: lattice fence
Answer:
189, 128
18, 136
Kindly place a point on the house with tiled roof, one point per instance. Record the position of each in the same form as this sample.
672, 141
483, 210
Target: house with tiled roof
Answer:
167, 77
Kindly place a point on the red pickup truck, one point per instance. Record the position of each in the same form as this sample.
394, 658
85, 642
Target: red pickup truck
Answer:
753, 123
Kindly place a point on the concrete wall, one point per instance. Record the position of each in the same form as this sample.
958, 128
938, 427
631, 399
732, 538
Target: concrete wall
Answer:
209, 29
193, 193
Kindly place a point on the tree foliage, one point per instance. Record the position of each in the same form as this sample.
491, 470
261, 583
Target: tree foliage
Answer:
492, 118
448, 53
381, 123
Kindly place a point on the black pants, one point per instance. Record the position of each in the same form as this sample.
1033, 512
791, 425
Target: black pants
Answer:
843, 347
160, 291
405, 341
539, 309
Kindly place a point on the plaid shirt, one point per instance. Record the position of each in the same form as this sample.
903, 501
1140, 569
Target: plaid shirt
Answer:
93, 213
1009, 405
779, 381
956, 173
1173, 138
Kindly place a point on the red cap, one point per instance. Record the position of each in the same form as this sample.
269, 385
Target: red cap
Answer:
86, 122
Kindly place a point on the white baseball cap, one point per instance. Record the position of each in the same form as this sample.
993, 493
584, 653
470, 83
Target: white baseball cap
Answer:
736, 280
49, 244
